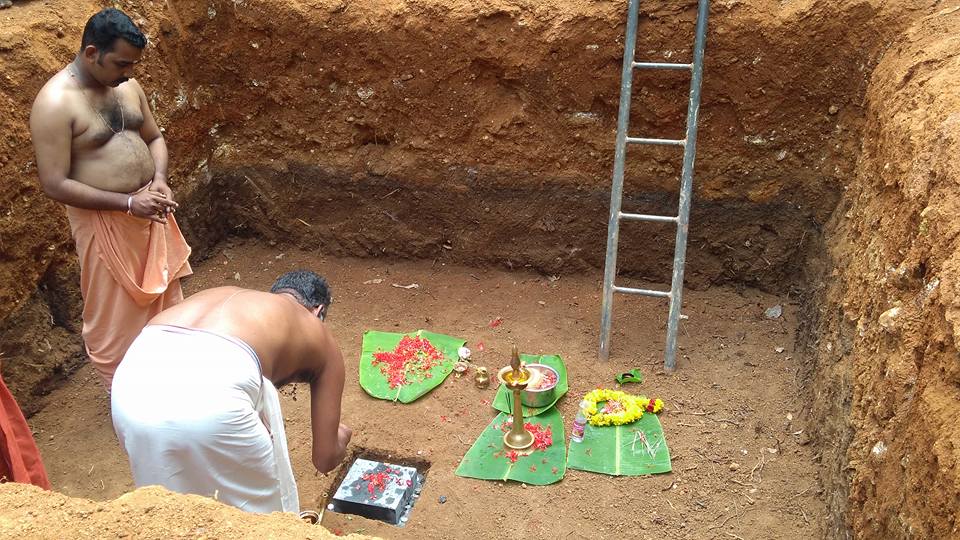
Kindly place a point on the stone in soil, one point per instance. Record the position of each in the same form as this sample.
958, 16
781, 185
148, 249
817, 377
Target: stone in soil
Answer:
376, 490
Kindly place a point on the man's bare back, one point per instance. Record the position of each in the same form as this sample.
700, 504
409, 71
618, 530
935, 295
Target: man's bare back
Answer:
292, 343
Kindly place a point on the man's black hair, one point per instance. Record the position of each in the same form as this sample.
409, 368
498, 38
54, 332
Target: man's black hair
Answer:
308, 288
103, 29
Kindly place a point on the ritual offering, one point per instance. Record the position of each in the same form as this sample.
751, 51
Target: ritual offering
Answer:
404, 367
518, 448
549, 385
632, 376
378, 490
618, 408
621, 435
541, 463
540, 392
516, 377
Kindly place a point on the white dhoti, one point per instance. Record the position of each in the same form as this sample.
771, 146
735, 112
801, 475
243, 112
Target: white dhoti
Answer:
194, 414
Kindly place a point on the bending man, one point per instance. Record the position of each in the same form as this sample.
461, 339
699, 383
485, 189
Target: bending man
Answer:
194, 401
100, 152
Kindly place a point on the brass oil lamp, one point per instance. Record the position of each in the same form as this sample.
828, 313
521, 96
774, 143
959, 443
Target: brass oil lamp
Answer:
516, 377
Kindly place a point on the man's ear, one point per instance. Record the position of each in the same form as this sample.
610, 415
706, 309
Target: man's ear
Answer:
90, 53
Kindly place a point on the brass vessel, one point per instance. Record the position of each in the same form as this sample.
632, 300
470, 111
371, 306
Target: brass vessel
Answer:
482, 378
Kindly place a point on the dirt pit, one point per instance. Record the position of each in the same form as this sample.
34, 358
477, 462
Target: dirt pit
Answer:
743, 466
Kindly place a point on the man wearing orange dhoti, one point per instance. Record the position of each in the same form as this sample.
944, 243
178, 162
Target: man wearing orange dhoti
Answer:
100, 152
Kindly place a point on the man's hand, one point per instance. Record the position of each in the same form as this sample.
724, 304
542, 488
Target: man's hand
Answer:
159, 185
151, 205
333, 452
344, 434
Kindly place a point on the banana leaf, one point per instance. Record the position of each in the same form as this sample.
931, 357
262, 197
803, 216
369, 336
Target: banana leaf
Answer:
503, 401
488, 459
631, 450
374, 382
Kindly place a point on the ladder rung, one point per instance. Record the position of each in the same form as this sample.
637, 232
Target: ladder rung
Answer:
643, 292
660, 65
666, 142
649, 217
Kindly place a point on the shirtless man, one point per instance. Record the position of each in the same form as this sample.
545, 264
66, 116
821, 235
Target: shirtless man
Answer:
194, 401
100, 152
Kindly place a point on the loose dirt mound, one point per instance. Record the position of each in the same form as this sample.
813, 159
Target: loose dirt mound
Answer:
152, 512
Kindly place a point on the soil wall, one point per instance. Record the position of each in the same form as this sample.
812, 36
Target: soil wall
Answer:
887, 370
480, 132
483, 132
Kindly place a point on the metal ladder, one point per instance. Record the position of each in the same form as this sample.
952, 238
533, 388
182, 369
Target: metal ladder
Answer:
682, 219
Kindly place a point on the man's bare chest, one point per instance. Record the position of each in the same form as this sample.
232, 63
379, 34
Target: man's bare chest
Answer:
99, 121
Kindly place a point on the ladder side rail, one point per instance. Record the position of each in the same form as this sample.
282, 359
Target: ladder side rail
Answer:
686, 188
616, 191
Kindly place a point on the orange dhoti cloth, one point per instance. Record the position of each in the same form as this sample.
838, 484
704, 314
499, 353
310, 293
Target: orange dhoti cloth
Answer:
19, 457
130, 270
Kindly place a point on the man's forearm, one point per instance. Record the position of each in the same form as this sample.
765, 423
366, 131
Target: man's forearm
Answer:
158, 150
80, 195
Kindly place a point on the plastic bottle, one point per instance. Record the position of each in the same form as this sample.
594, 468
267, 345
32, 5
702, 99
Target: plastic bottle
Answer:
579, 423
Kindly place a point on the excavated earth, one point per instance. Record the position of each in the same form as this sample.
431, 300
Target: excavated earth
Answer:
480, 134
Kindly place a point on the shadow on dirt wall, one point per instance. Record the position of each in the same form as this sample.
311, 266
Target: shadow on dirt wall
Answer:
479, 219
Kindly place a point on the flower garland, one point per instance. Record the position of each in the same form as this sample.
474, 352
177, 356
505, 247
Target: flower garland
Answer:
412, 358
619, 408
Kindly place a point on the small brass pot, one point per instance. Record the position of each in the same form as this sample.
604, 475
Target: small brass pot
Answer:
482, 378
310, 517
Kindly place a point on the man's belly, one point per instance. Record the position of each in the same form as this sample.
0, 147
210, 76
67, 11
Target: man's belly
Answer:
123, 164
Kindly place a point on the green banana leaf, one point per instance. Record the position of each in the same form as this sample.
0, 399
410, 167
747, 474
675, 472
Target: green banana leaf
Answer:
503, 401
630, 450
488, 459
375, 383
632, 376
